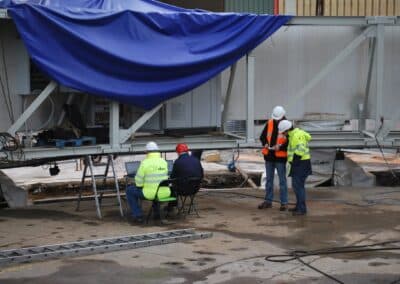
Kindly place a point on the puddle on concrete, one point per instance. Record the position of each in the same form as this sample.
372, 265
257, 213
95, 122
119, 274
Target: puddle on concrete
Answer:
99, 272
36, 213
238, 249
377, 263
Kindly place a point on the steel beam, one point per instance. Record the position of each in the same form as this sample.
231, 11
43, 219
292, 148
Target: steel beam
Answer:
114, 124
368, 84
331, 65
228, 93
250, 68
379, 65
32, 108
125, 134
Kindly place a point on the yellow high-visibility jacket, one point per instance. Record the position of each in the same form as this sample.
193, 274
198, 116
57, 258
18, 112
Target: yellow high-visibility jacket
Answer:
298, 144
152, 170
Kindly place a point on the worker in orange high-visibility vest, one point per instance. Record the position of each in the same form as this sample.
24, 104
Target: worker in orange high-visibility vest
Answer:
275, 156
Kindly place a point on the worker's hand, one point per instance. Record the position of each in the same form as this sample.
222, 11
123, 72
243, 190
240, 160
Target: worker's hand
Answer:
277, 147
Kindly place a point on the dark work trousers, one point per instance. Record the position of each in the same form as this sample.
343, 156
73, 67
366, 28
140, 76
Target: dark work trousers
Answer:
300, 170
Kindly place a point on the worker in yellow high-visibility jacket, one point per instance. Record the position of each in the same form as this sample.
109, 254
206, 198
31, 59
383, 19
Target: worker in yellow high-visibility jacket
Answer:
152, 170
299, 160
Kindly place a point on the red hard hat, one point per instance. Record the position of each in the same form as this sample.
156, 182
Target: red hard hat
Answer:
182, 148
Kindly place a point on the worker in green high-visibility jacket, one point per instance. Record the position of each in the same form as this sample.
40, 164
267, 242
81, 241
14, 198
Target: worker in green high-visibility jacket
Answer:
299, 160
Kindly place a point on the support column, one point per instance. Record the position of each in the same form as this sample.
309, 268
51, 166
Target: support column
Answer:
250, 68
228, 93
380, 63
114, 124
365, 110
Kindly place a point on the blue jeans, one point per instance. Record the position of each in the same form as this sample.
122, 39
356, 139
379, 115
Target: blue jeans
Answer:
269, 185
298, 184
134, 195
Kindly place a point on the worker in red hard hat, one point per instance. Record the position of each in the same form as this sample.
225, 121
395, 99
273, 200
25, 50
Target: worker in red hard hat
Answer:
185, 166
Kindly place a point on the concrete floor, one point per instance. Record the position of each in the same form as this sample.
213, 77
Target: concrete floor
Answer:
243, 236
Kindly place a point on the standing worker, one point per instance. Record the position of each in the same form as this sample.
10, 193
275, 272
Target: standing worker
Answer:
275, 156
152, 170
299, 160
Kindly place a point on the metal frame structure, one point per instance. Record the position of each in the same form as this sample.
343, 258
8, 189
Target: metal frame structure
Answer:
374, 31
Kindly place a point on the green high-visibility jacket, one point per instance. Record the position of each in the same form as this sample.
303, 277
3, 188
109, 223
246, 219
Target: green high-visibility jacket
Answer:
298, 144
152, 170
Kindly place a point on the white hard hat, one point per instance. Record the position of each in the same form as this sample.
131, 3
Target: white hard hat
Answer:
284, 125
151, 146
278, 113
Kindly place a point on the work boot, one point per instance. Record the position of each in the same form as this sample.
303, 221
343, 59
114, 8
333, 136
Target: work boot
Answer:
294, 209
283, 207
265, 204
298, 213
135, 220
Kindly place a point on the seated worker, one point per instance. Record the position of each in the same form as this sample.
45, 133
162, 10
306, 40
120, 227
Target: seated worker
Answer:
152, 170
185, 166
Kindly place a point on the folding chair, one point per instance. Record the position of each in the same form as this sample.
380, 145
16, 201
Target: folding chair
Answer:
157, 201
186, 189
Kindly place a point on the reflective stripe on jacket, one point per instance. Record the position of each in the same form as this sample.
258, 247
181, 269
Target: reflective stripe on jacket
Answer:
298, 144
280, 140
152, 170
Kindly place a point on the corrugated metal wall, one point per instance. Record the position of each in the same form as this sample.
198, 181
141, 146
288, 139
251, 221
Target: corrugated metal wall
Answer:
347, 7
250, 6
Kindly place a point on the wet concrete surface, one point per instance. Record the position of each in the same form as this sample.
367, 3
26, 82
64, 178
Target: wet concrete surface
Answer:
243, 236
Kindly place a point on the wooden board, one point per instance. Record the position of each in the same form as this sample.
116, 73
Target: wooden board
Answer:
327, 7
383, 8
313, 8
340, 7
282, 7
375, 8
354, 7
390, 8
334, 8
300, 7
397, 7
368, 7
307, 7
361, 8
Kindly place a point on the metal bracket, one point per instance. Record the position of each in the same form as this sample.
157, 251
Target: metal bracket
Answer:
4, 14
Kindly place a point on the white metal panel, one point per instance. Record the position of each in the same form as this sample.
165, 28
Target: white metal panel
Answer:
178, 112
199, 108
288, 60
16, 66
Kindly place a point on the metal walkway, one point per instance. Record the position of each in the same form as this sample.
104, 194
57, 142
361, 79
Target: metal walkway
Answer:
8, 257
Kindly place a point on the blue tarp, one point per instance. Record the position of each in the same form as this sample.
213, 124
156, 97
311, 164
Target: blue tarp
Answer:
140, 52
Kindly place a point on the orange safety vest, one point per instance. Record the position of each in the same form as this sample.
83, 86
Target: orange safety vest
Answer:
281, 139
